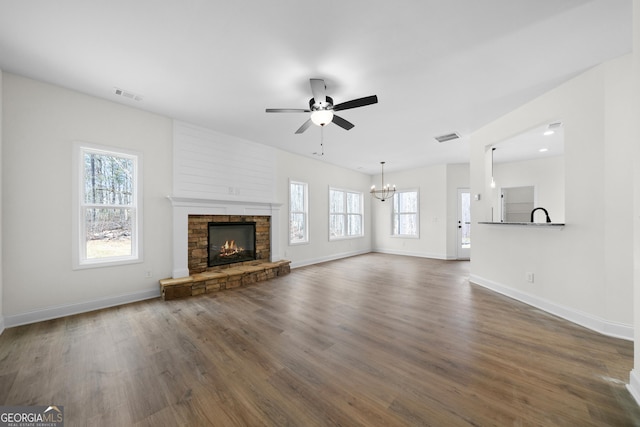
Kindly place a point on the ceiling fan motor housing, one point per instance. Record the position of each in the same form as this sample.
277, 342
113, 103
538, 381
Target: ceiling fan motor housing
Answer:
328, 105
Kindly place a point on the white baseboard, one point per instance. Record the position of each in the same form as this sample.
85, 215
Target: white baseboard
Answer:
605, 327
413, 254
634, 385
71, 309
333, 257
1, 324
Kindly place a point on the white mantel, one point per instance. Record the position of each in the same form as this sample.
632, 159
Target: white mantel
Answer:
183, 207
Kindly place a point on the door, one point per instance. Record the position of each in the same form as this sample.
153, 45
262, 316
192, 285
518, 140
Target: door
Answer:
463, 241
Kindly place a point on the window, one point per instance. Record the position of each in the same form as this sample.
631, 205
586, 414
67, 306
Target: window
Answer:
345, 214
298, 213
108, 209
405, 214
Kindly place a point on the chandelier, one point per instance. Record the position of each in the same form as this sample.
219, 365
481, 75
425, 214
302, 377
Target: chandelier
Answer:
387, 191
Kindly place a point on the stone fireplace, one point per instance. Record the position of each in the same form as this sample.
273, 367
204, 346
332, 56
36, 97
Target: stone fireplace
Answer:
191, 218
193, 272
219, 241
220, 178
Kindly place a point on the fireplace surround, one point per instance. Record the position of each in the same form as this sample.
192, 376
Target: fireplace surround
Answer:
191, 274
190, 223
200, 247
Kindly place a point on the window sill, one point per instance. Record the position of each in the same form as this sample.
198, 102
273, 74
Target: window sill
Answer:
111, 263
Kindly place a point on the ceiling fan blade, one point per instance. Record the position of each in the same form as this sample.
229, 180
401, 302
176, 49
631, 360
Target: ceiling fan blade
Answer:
344, 124
304, 126
287, 110
354, 103
319, 91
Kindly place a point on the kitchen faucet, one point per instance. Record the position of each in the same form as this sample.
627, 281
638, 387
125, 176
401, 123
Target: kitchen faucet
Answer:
545, 212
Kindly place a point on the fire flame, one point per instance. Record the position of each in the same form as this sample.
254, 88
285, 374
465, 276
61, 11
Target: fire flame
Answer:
230, 248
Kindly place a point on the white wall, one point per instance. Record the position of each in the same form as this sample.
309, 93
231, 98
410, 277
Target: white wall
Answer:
437, 186
214, 166
319, 176
40, 124
584, 271
1, 272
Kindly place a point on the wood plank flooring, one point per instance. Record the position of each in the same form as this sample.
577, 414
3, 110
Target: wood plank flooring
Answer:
372, 340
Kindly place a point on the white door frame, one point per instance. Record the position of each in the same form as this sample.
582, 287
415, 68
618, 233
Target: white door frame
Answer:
463, 251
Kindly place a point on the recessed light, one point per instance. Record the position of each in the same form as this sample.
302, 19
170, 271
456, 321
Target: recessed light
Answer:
543, 150
552, 127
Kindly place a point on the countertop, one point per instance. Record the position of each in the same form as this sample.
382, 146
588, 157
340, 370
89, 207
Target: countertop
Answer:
528, 224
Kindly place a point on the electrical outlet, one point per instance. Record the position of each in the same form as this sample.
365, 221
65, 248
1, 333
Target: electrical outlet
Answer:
529, 276
148, 274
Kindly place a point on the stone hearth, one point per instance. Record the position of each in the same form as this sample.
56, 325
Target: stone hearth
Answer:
214, 280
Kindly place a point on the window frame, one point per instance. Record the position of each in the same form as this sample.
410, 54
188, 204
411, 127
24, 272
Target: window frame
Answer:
78, 244
346, 214
304, 212
416, 213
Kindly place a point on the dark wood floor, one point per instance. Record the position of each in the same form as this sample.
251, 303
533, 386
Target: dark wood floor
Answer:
371, 340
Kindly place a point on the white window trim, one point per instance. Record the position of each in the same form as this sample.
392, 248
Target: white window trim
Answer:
344, 190
306, 213
393, 214
78, 242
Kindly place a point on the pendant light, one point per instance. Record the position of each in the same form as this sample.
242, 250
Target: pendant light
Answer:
386, 192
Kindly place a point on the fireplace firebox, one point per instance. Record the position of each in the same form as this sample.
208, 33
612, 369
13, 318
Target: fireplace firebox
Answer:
231, 242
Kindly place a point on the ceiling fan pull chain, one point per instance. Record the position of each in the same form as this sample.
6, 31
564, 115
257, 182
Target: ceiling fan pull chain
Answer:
322, 140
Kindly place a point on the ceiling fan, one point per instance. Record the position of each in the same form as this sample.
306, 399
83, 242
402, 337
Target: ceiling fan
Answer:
322, 109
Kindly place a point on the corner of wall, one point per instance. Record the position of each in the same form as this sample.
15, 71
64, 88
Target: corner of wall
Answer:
587, 320
634, 385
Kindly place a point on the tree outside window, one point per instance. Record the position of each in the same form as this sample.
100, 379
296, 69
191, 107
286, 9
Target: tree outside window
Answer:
405, 214
345, 214
298, 213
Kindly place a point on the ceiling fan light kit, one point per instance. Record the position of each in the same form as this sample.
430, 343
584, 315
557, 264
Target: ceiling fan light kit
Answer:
322, 109
322, 117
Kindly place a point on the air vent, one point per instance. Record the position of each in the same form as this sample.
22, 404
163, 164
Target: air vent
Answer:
447, 137
554, 126
127, 94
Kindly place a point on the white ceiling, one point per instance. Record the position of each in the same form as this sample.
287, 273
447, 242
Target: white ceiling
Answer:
540, 142
436, 66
